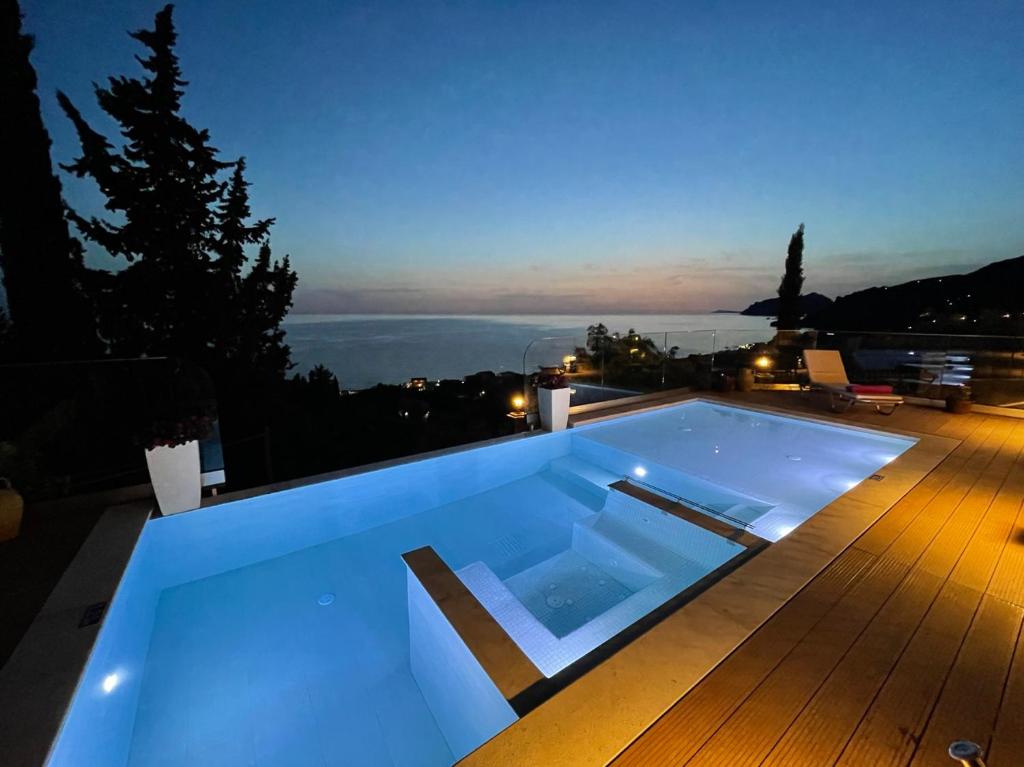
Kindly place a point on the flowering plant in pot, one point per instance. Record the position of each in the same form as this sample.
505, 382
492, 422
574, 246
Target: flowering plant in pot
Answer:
177, 413
553, 395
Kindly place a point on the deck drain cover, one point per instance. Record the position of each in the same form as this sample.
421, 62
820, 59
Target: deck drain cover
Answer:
555, 601
325, 599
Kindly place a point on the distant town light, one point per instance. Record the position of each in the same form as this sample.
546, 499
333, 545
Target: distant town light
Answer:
764, 362
518, 402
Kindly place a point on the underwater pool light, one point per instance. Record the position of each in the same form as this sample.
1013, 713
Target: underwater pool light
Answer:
110, 682
640, 471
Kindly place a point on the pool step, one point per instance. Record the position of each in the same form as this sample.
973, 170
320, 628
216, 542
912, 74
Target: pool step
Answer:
626, 554
693, 516
584, 474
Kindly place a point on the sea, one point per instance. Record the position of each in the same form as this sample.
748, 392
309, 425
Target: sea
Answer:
364, 350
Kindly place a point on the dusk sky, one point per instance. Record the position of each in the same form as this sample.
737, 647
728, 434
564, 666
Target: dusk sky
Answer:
487, 157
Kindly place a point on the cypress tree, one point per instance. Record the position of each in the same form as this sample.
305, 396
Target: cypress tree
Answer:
42, 263
792, 283
183, 229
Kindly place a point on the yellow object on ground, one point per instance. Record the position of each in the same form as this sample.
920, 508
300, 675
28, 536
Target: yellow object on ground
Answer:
11, 507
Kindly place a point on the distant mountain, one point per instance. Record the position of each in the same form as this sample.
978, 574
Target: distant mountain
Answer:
989, 300
811, 303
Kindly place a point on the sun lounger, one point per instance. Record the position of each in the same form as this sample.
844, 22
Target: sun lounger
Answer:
827, 373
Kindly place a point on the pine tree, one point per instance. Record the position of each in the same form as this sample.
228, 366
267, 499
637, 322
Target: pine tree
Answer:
264, 299
792, 283
42, 263
183, 229
233, 317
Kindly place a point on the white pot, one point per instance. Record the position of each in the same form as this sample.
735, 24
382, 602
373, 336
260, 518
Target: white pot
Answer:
174, 472
554, 408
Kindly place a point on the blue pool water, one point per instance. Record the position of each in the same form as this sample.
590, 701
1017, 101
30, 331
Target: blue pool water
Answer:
276, 630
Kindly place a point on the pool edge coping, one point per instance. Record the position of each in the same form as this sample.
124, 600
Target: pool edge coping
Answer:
63, 635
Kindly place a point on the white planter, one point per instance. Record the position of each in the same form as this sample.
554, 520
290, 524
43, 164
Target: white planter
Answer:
554, 408
174, 472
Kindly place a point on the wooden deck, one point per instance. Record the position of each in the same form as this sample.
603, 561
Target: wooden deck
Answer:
909, 640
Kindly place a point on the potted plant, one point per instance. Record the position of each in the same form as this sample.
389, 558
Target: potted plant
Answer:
959, 401
178, 414
553, 399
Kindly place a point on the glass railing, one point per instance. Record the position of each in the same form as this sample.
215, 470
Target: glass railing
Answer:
928, 366
68, 428
604, 367
933, 366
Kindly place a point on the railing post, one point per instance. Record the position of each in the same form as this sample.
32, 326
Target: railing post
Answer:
664, 359
526, 388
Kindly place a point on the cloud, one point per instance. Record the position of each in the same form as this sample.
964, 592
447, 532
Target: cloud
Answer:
671, 285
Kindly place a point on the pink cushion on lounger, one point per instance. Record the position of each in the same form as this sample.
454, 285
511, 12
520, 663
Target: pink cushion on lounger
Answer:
869, 389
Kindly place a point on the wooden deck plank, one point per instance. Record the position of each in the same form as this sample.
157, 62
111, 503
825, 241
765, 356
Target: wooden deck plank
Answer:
702, 711
1008, 579
883, 669
977, 567
967, 459
889, 732
969, 702
811, 663
782, 695
1007, 743
836, 709
832, 711
860, 604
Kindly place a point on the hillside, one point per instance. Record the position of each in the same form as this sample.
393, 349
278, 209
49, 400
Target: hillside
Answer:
989, 300
811, 303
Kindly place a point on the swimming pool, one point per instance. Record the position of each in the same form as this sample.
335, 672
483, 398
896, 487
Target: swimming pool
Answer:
276, 630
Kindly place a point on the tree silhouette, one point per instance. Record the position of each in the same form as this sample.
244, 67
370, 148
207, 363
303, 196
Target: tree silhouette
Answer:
42, 263
792, 283
181, 226
598, 341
